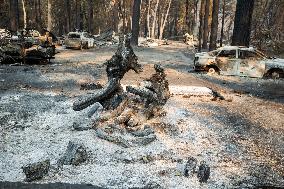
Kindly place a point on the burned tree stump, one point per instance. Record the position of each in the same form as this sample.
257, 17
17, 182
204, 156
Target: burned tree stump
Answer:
156, 90
123, 61
125, 114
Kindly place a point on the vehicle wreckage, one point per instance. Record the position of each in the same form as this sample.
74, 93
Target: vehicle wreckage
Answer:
25, 48
240, 61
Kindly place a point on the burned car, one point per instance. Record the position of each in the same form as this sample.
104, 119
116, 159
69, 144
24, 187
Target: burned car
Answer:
241, 61
79, 40
23, 48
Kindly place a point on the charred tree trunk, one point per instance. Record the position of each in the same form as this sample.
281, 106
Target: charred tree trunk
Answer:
115, 17
124, 17
68, 15
214, 25
159, 20
91, 16
39, 23
76, 15
201, 23
205, 27
187, 21
242, 24
223, 22
14, 15
135, 22
81, 17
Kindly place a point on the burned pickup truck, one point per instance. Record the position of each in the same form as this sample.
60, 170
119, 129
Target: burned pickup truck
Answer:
79, 40
239, 61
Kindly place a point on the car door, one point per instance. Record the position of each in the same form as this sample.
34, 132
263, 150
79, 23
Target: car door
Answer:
227, 62
251, 64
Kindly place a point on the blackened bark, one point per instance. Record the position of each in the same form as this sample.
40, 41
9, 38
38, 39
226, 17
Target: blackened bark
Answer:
120, 63
68, 16
135, 22
242, 24
91, 16
187, 15
214, 25
13, 15
201, 20
223, 22
115, 13
205, 27
124, 17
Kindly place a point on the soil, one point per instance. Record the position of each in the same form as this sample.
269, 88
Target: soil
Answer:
240, 136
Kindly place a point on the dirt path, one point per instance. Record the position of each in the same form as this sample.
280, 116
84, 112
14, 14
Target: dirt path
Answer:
240, 137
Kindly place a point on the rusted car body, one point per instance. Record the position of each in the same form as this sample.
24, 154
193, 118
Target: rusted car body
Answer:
240, 61
79, 40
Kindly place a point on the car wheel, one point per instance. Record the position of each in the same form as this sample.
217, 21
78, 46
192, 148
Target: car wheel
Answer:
212, 71
275, 75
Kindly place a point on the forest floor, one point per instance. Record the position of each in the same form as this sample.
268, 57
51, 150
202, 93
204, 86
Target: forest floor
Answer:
240, 137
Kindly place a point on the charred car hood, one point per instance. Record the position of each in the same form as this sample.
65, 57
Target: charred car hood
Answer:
276, 63
203, 55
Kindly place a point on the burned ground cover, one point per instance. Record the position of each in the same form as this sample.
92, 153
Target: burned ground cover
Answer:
239, 136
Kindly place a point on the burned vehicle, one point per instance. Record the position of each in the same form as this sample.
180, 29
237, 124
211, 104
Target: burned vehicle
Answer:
24, 48
240, 61
79, 40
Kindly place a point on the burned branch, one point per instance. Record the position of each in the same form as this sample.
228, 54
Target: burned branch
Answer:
123, 61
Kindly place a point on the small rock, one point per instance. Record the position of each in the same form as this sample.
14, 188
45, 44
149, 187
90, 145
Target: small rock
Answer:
190, 166
81, 126
203, 172
132, 122
36, 170
143, 141
75, 154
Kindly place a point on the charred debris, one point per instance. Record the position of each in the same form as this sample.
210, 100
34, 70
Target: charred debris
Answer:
126, 117
26, 46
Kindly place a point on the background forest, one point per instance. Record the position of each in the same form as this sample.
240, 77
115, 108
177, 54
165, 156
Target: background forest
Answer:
159, 19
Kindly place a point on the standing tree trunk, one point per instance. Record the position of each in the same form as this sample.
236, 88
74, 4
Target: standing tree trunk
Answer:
135, 22
68, 15
214, 25
13, 15
146, 28
76, 15
39, 23
187, 16
223, 22
24, 13
115, 13
49, 17
124, 17
205, 27
155, 19
242, 24
91, 16
148, 18
201, 20
164, 20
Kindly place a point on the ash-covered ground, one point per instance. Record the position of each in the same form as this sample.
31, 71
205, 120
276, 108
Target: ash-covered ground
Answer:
240, 136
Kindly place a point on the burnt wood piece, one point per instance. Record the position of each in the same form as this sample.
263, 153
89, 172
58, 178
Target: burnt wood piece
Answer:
157, 90
36, 171
120, 63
